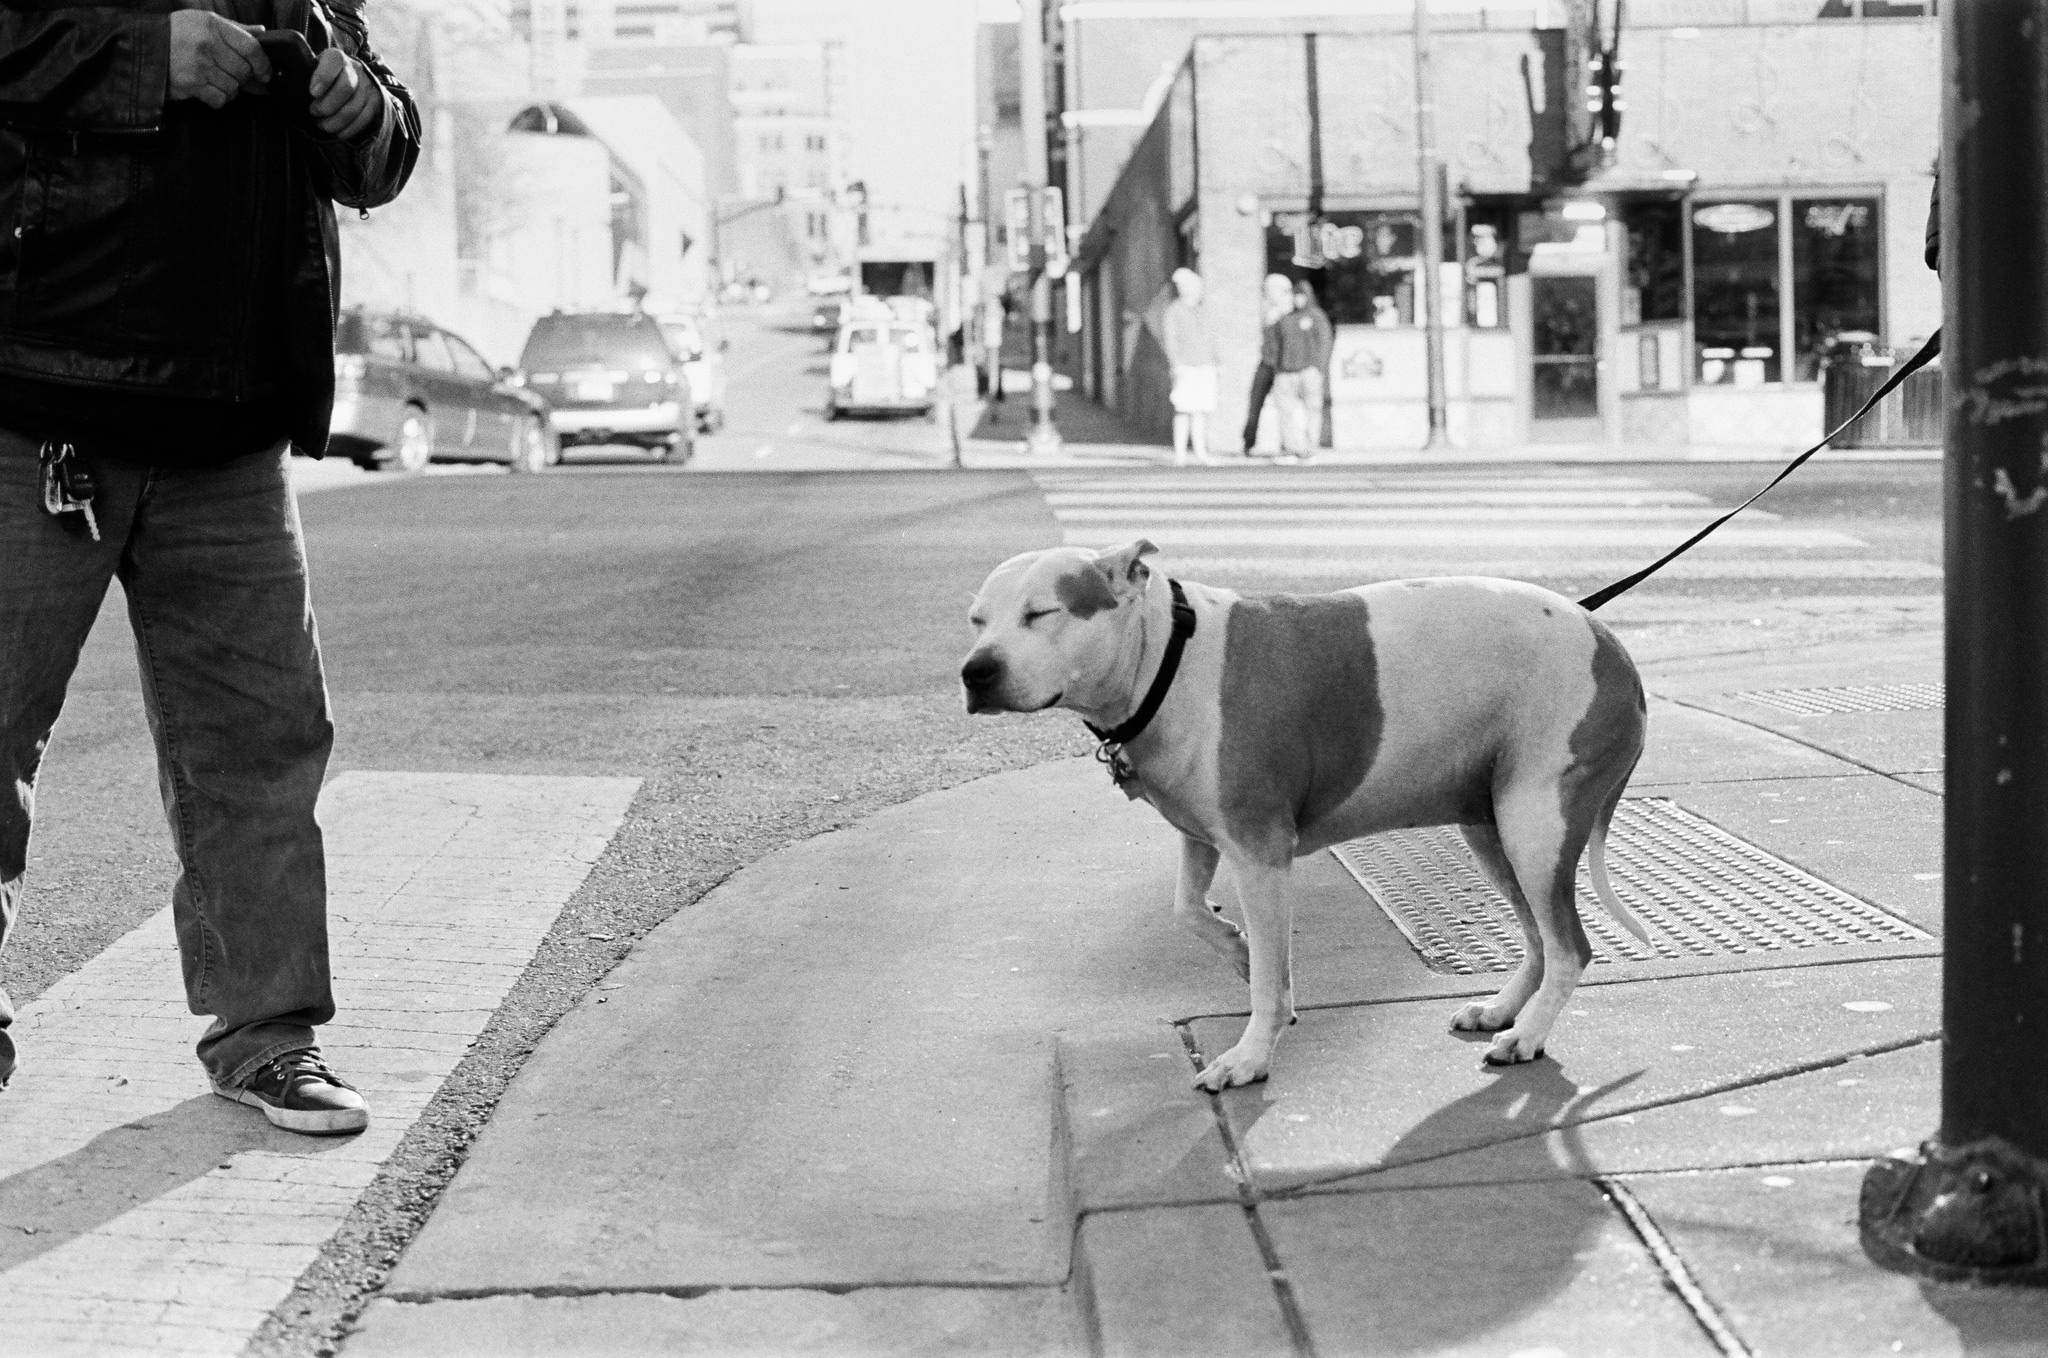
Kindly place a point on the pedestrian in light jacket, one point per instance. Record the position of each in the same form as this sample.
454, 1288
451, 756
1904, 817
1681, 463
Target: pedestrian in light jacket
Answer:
1191, 354
168, 274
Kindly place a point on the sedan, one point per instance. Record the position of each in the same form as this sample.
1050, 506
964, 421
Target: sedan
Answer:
407, 392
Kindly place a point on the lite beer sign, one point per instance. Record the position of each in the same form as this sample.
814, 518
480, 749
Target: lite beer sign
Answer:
1318, 243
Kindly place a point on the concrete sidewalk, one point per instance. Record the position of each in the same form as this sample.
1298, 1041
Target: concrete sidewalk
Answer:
992, 436
922, 1086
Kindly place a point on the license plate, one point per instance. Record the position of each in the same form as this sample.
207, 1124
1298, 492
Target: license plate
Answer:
597, 390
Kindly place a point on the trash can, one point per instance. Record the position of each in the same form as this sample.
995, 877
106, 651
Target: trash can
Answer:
1854, 365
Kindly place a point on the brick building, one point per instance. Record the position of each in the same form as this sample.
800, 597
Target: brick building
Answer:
1767, 194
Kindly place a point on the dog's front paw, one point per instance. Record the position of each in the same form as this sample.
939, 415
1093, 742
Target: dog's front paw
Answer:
1235, 1067
1513, 1049
1480, 1018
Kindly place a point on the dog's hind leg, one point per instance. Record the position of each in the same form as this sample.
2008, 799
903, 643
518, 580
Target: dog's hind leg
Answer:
1500, 1011
1543, 847
1192, 908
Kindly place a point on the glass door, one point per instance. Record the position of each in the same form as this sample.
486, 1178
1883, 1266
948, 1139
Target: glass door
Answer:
1564, 383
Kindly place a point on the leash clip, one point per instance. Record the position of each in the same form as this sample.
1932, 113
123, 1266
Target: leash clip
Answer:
1110, 754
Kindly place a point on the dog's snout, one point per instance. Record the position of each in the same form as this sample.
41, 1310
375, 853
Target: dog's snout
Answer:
981, 670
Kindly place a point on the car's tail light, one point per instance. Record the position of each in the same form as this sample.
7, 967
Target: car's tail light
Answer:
655, 377
348, 367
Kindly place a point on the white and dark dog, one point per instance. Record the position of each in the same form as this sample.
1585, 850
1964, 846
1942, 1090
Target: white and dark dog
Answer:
1267, 727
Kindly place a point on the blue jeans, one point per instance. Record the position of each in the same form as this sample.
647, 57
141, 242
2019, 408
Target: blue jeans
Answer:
214, 568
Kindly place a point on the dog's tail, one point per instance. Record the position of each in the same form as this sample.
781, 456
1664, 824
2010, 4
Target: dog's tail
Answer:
1596, 861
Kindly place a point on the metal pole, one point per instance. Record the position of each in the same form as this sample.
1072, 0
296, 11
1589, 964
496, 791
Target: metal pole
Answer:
1043, 437
1970, 1203
1431, 174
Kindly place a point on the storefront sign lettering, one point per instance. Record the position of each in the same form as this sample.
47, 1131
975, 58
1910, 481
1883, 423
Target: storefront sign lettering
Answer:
1730, 219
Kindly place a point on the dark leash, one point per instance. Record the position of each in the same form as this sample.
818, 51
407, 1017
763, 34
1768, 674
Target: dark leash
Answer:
1110, 744
1627, 583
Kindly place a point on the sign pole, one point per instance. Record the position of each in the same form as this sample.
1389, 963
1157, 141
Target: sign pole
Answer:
1043, 438
1969, 1204
1432, 242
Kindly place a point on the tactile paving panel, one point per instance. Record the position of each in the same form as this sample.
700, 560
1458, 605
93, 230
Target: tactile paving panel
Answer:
1700, 892
1820, 702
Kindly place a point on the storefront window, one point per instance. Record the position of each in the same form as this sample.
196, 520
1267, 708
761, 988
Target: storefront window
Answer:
1834, 274
1654, 289
1363, 264
1735, 293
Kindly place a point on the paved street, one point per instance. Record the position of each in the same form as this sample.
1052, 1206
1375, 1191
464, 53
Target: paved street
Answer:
573, 704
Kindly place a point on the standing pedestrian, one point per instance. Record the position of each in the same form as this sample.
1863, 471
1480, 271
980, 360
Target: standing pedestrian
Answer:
166, 335
1301, 352
1276, 299
1325, 413
1191, 354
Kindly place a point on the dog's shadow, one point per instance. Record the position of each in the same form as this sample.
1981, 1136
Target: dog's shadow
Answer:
129, 1167
1464, 1254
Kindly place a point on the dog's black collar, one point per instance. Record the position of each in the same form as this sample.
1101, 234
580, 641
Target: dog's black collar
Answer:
1110, 749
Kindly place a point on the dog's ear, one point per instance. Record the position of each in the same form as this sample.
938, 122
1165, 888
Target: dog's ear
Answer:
1124, 567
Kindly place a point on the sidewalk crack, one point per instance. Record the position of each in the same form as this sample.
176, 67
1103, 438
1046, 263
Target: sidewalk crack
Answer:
1298, 1337
1678, 1276
1818, 748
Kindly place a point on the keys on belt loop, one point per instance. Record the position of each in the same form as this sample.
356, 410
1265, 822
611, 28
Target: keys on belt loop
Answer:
68, 487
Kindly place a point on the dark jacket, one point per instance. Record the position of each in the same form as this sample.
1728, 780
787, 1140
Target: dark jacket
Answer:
1299, 340
169, 248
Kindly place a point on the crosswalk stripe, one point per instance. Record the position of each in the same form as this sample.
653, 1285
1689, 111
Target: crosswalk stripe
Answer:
1313, 498
1355, 570
1579, 537
1075, 513
440, 888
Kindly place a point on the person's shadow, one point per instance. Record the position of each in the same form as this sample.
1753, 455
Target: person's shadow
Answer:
1529, 1227
129, 1166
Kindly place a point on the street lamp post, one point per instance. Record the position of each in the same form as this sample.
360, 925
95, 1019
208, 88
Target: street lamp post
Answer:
1044, 437
1432, 243
1970, 1203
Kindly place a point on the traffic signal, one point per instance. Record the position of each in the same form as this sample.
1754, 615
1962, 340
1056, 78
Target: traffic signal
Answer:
1603, 97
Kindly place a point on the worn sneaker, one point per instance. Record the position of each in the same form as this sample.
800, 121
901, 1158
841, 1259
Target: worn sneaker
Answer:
300, 1093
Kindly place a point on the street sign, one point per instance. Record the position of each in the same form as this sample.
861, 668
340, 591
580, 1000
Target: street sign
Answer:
1017, 219
1055, 231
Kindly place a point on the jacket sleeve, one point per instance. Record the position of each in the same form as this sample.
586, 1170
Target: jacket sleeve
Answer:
85, 69
1269, 346
370, 172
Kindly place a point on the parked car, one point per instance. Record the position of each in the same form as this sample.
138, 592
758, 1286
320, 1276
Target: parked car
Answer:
611, 377
881, 365
407, 392
704, 366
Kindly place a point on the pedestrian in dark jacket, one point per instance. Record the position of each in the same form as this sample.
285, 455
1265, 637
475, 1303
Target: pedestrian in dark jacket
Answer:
1299, 349
168, 276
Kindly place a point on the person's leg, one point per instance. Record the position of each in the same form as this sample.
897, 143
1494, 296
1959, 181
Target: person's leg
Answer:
1262, 386
1180, 437
1316, 405
1198, 435
1287, 394
216, 580
52, 579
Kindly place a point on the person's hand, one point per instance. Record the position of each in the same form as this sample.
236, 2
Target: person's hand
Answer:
213, 59
347, 101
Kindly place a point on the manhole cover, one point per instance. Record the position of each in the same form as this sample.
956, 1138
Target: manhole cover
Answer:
1699, 890
1818, 702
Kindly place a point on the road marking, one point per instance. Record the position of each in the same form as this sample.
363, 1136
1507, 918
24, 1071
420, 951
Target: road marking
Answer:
795, 427
764, 450
139, 1214
1356, 570
1368, 513
1529, 496
1447, 535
